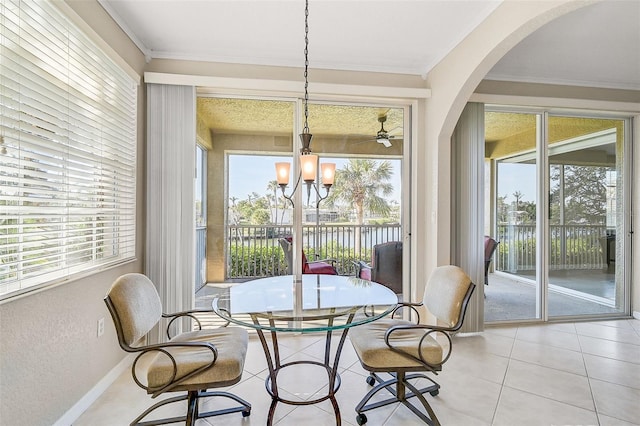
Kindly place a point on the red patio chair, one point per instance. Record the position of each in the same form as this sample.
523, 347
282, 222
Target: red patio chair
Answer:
319, 266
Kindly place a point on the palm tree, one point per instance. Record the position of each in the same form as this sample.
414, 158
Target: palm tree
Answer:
273, 187
518, 196
363, 184
233, 210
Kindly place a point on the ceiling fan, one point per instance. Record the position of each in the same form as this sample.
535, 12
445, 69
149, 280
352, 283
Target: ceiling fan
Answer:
383, 136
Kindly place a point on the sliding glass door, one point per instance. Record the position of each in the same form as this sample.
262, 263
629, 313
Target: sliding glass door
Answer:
558, 207
513, 284
586, 226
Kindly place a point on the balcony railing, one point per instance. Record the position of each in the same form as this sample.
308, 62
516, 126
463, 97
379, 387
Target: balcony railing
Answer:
254, 251
572, 247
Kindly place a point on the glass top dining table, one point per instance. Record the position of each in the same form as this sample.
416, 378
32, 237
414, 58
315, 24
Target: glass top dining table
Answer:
312, 303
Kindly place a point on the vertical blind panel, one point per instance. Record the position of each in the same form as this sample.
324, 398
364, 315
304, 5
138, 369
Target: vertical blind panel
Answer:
67, 150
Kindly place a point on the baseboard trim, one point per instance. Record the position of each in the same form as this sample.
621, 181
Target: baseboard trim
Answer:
90, 397
636, 314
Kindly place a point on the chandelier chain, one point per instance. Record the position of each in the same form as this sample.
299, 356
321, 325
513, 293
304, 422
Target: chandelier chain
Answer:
305, 129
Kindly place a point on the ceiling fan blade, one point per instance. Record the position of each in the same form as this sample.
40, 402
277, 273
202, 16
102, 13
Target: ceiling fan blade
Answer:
385, 142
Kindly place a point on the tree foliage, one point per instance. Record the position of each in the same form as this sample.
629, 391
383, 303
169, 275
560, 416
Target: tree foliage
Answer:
584, 194
362, 185
578, 191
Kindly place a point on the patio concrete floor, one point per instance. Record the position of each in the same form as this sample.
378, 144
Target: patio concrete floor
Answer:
578, 293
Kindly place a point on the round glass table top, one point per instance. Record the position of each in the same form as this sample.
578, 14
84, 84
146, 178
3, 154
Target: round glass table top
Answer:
315, 303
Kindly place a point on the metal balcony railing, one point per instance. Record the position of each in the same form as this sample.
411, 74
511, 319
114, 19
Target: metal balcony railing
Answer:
571, 247
254, 251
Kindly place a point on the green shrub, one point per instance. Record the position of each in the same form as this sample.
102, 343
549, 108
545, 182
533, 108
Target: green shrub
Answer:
270, 261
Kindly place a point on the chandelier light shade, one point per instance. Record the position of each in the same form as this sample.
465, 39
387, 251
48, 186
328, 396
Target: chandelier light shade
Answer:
328, 171
308, 161
308, 167
282, 173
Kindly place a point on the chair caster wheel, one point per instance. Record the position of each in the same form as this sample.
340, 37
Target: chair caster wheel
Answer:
361, 419
371, 381
246, 413
434, 392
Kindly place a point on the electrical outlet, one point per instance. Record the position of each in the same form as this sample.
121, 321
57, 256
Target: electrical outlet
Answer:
100, 327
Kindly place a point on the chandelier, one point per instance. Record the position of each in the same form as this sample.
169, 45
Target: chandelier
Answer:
308, 161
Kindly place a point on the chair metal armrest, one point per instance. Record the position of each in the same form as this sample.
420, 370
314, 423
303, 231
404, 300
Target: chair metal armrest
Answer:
160, 346
411, 305
188, 314
428, 330
360, 265
163, 349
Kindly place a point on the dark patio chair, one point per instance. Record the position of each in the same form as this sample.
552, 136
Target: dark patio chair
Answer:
385, 267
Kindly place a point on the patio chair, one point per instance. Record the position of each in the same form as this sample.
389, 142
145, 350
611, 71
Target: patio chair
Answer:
319, 266
490, 246
398, 347
385, 267
190, 362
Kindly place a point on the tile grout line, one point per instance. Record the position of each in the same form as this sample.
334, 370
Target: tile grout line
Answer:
504, 378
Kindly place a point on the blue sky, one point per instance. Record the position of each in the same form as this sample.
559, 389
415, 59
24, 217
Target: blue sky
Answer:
514, 177
252, 173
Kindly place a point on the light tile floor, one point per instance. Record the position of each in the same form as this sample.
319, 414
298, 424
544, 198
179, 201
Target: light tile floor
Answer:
583, 373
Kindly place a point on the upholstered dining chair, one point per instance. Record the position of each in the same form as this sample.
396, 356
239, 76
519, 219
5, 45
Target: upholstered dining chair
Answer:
400, 347
190, 362
318, 266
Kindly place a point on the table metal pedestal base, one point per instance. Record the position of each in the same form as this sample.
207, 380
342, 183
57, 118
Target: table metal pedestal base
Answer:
275, 366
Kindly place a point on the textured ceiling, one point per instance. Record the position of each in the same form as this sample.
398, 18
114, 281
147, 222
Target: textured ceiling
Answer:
358, 123
502, 126
276, 117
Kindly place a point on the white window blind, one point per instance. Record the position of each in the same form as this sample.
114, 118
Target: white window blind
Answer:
67, 151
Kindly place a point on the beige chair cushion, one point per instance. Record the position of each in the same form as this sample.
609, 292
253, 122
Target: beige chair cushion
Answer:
445, 293
138, 305
231, 343
368, 342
